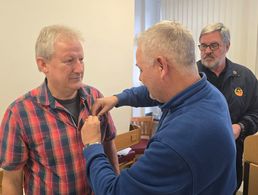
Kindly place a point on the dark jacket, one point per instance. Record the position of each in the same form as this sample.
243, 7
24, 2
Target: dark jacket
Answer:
240, 88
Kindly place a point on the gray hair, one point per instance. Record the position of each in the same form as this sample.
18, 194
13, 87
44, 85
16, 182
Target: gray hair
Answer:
49, 35
223, 30
169, 39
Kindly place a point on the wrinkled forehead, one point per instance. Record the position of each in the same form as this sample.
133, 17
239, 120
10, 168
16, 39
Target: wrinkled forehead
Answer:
211, 37
68, 47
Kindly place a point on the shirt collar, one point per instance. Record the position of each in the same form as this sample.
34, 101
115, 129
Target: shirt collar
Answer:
45, 97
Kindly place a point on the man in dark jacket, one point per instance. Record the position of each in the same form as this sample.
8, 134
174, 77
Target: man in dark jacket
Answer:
236, 82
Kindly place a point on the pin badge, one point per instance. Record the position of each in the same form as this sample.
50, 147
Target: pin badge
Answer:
239, 92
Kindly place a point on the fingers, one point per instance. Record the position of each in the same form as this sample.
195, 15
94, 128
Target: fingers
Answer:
103, 111
96, 108
103, 105
90, 131
92, 119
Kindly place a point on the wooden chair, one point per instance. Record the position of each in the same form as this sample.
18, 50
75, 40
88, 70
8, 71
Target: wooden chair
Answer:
250, 165
1, 178
146, 125
126, 140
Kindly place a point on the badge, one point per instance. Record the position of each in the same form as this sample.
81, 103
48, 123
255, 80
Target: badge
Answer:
239, 92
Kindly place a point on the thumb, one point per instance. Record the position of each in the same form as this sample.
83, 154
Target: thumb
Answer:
96, 108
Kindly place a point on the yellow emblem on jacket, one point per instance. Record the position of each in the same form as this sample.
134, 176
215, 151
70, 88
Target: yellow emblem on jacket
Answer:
239, 92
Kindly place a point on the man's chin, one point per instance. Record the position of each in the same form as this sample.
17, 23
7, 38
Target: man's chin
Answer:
209, 64
77, 85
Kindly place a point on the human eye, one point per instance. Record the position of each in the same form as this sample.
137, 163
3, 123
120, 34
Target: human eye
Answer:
203, 46
214, 45
68, 61
81, 60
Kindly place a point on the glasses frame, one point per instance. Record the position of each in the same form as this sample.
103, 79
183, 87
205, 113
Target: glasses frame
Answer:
213, 46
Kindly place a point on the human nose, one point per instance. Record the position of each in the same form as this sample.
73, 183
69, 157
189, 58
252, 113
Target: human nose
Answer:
208, 49
79, 66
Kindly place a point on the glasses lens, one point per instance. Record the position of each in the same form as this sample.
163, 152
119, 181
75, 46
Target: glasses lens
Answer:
214, 46
202, 47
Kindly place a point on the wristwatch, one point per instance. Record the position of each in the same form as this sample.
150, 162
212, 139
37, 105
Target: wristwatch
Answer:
89, 144
242, 127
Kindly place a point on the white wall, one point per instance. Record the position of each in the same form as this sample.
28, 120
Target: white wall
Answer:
108, 28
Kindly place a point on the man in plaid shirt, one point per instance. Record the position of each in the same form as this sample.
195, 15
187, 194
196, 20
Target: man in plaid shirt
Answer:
40, 139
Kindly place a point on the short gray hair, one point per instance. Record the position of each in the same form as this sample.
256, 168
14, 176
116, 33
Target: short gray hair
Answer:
221, 28
49, 35
169, 39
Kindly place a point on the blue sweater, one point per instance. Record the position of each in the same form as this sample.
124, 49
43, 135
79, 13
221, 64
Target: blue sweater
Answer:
192, 152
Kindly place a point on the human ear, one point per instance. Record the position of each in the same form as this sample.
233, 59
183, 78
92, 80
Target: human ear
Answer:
163, 66
42, 65
227, 46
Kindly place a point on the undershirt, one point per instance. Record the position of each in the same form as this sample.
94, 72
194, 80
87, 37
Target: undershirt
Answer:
73, 106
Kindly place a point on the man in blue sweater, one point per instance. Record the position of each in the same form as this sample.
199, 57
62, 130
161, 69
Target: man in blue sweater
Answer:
193, 150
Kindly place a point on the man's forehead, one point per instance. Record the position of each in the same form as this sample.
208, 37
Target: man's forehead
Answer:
212, 37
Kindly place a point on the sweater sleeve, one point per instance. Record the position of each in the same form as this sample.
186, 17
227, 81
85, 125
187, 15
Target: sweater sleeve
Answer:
136, 97
159, 171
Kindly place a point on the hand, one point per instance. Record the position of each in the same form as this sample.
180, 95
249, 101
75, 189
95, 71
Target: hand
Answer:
90, 131
236, 130
103, 105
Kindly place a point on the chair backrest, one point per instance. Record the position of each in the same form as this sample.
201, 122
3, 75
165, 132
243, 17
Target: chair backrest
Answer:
127, 139
251, 148
1, 178
145, 123
251, 165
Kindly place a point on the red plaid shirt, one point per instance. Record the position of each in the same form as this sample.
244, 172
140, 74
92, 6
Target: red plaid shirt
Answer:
38, 133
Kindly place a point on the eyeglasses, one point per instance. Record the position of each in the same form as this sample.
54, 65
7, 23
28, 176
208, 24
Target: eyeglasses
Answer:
212, 46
